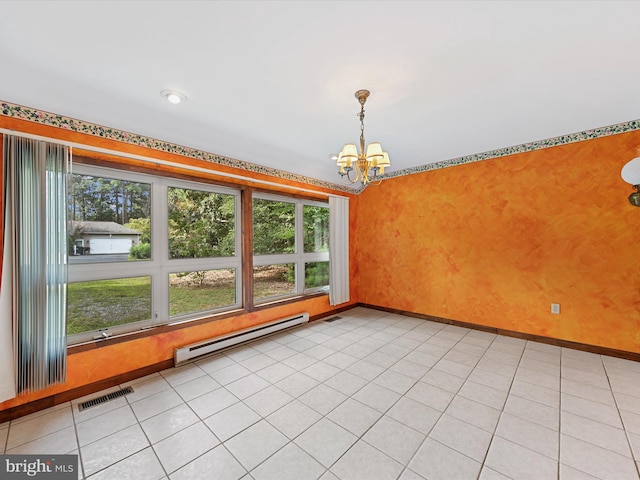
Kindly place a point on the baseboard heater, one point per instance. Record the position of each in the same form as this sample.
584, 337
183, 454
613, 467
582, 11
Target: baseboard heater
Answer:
196, 350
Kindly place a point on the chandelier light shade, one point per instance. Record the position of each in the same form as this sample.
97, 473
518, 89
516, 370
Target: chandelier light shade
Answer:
370, 162
631, 174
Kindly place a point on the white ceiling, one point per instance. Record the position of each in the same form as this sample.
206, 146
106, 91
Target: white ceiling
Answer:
272, 82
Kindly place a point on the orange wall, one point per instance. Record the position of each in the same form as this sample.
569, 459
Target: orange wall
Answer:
102, 363
496, 242
87, 367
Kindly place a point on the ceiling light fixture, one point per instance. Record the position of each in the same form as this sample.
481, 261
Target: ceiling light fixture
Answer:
369, 162
631, 174
173, 97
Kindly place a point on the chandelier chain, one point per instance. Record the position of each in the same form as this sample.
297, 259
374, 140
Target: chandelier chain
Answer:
361, 115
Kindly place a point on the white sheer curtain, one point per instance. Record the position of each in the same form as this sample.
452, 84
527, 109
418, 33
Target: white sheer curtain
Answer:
33, 290
338, 250
7, 364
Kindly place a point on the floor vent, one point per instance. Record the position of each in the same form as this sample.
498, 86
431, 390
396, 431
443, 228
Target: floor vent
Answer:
105, 398
333, 319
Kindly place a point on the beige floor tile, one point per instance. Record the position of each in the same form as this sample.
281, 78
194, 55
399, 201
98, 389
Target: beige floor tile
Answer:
597, 433
326, 441
490, 379
533, 411
475, 413
568, 473
151, 386
515, 461
631, 421
489, 396
490, 474
528, 434
415, 415
377, 397
268, 400
445, 381
247, 386
231, 421
178, 375
167, 423
437, 461
276, 372
356, 417
590, 409
462, 437
394, 439
59, 442
363, 462
583, 390
104, 425
143, 464
255, 444
206, 405
596, 461
346, 382
230, 373
257, 362
216, 464
196, 387
293, 418
430, 395
155, 404
39, 426
109, 450
289, 463
185, 446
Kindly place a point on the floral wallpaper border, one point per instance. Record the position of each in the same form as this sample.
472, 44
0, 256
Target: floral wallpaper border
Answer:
525, 147
79, 126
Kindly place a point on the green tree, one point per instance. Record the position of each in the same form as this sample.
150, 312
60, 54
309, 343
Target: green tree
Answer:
201, 224
273, 227
316, 228
140, 252
142, 225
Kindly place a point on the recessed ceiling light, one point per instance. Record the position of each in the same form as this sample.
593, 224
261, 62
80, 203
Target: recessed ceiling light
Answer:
173, 97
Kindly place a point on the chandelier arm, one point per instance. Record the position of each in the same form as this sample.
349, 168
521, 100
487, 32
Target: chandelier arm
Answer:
347, 176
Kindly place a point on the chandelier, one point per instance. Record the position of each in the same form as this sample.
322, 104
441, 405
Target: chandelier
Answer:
370, 162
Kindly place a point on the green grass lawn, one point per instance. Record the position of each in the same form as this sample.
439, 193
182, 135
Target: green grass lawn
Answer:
106, 303
198, 298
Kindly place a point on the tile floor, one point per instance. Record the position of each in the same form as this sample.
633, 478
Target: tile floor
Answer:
370, 396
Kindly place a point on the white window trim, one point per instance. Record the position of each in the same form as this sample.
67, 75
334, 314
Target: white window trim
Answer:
299, 258
160, 266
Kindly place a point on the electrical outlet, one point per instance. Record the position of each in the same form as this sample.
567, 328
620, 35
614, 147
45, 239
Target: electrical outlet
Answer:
555, 308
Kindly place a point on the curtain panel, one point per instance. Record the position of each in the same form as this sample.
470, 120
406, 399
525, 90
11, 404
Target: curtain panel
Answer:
338, 250
34, 290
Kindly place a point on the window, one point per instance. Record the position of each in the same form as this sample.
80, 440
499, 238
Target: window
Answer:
109, 219
290, 247
148, 250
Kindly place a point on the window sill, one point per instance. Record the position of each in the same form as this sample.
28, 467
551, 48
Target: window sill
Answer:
170, 327
150, 331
